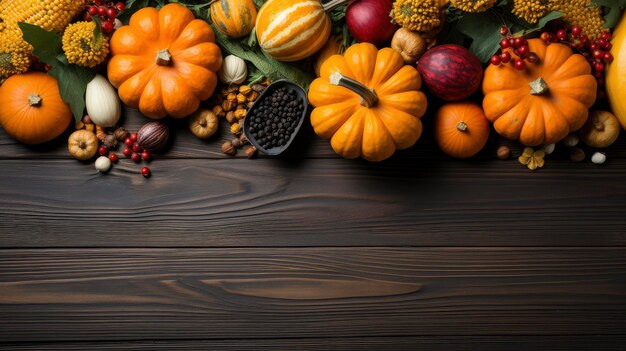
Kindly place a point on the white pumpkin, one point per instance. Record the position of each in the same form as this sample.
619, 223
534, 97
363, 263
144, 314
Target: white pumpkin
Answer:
103, 105
234, 70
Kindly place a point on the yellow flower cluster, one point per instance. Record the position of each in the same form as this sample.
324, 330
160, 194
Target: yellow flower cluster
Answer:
473, 5
80, 46
583, 14
15, 54
419, 15
531, 10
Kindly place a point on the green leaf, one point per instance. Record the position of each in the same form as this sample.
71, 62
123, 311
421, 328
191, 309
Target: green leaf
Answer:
73, 82
97, 34
613, 10
269, 67
46, 45
484, 32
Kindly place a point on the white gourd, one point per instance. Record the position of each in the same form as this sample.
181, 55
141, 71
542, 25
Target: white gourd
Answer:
234, 70
103, 104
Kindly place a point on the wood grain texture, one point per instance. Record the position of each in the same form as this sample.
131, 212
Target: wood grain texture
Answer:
428, 343
201, 203
137, 294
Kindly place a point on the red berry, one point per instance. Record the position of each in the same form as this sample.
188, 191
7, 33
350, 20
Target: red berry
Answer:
505, 57
606, 36
92, 10
561, 34
97, 2
576, 31
145, 171
594, 47
598, 75
113, 157
128, 141
87, 17
135, 157
519, 42
546, 37
495, 60
504, 43
127, 151
133, 137
601, 42
111, 12
607, 57
102, 150
145, 155
584, 39
523, 51
504, 30
120, 6
533, 58
107, 27
519, 64
608, 46
136, 147
599, 66
102, 11
597, 54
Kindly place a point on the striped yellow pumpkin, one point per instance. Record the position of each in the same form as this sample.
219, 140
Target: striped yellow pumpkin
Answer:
291, 30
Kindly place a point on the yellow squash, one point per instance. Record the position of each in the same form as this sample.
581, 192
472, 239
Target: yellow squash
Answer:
616, 73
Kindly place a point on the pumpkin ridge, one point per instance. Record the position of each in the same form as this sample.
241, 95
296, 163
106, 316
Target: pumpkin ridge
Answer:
372, 124
404, 128
326, 126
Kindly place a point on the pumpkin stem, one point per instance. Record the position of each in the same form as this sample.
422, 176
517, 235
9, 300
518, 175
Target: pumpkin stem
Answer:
163, 58
368, 96
461, 127
34, 100
599, 126
332, 4
538, 86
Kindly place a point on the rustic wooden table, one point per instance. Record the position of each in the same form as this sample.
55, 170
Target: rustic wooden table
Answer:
421, 252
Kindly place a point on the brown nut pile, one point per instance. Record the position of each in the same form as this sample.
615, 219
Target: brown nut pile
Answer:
232, 103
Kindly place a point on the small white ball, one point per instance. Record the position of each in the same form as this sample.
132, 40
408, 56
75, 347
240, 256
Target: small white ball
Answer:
598, 158
103, 164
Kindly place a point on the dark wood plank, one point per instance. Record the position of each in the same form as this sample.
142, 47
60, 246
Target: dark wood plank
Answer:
185, 145
200, 203
430, 343
135, 294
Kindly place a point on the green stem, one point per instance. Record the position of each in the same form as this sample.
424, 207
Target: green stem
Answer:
332, 4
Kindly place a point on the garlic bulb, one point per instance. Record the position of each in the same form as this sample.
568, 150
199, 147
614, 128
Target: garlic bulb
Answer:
571, 140
234, 70
598, 158
103, 104
103, 164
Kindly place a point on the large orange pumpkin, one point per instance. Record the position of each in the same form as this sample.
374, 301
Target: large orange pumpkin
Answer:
544, 102
234, 18
368, 103
164, 61
291, 30
31, 108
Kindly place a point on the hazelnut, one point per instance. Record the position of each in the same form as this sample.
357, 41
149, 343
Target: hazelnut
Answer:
240, 114
241, 98
576, 155
229, 149
250, 151
219, 111
504, 152
120, 134
258, 87
245, 90
110, 141
79, 125
237, 143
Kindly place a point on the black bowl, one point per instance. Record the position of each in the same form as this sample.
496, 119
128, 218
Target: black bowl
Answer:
275, 151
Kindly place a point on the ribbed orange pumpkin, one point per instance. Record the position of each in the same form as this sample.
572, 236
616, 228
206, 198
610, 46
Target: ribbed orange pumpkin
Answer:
31, 108
291, 30
164, 61
334, 46
544, 102
234, 18
368, 103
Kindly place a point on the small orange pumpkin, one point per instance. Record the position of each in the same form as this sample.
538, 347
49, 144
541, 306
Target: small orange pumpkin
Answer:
461, 129
234, 18
164, 61
334, 46
544, 102
31, 108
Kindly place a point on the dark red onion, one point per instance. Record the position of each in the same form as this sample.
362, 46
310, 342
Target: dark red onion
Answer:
369, 21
